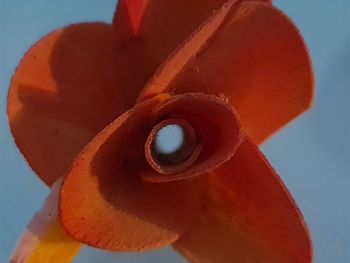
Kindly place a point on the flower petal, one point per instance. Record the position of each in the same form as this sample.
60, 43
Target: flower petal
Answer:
253, 55
105, 203
67, 88
249, 216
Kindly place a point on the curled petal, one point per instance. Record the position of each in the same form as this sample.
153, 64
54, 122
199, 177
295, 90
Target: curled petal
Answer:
215, 137
105, 203
178, 161
252, 54
109, 198
249, 216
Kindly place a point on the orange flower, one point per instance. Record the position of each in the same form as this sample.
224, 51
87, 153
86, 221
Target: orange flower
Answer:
229, 79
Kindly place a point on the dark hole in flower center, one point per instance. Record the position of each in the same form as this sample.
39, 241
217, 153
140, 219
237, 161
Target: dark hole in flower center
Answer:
171, 145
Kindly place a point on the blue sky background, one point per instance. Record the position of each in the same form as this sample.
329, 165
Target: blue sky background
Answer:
312, 154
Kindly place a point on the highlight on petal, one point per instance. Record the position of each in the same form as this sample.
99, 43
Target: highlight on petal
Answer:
45, 240
67, 88
105, 203
252, 54
249, 216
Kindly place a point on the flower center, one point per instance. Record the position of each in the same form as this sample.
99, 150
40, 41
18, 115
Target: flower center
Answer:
169, 140
172, 146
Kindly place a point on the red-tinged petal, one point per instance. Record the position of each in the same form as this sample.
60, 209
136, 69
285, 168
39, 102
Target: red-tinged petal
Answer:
253, 55
249, 216
66, 89
105, 203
